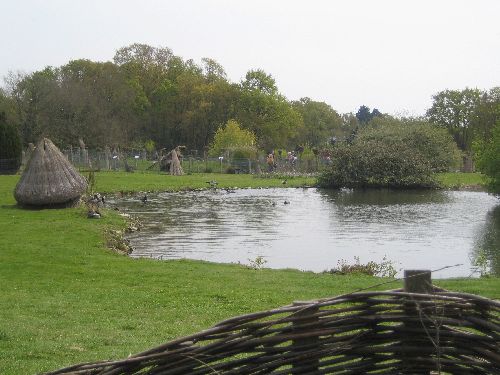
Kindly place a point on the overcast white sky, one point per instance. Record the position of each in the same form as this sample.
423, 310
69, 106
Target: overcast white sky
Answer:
389, 54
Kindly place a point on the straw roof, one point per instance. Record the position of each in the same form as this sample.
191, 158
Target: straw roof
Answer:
49, 178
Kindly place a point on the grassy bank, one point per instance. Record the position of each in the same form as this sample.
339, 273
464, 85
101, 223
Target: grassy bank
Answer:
66, 298
132, 182
462, 181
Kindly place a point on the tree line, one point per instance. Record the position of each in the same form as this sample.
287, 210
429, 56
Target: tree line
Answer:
148, 93
150, 96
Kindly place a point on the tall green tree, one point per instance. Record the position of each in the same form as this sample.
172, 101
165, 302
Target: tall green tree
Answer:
487, 114
8, 106
10, 146
34, 100
259, 80
212, 70
456, 110
321, 122
488, 157
364, 115
261, 109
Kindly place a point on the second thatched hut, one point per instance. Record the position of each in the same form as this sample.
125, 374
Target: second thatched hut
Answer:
49, 178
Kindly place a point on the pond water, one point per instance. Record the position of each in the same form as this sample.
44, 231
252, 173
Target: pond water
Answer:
315, 229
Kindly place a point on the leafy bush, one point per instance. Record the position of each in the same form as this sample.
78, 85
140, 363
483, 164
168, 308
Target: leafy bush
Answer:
431, 141
10, 147
392, 153
377, 164
383, 269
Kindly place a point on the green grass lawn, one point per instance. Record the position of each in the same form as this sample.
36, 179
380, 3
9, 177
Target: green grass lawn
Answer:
65, 298
462, 180
132, 182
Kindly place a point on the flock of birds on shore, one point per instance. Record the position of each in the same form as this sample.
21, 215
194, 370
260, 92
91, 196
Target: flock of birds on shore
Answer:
97, 200
213, 185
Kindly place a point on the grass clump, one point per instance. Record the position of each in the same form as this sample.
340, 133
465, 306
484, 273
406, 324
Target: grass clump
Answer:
384, 268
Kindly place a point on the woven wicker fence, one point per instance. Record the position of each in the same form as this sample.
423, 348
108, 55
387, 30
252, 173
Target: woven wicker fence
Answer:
388, 332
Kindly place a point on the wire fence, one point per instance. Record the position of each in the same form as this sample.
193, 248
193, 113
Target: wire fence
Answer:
149, 162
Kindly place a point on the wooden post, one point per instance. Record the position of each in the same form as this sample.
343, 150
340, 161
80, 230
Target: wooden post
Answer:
415, 281
418, 281
305, 364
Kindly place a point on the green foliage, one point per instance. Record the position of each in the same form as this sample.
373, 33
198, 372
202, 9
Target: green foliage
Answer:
486, 114
431, 141
481, 263
392, 153
455, 110
384, 268
270, 117
149, 145
148, 93
258, 263
259, 80
488, 157
10, 147
234, 141
377, 163
307, 154
364, 115
321, 122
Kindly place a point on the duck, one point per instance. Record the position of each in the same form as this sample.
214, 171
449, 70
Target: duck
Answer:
93, 214
286, 202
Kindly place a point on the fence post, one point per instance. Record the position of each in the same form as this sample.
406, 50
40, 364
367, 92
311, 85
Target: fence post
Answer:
418, 281
304, 346
415, 281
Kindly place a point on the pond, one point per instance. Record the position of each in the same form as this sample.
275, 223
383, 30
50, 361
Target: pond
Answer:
313, 229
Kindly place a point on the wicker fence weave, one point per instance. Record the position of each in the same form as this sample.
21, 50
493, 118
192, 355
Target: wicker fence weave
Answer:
389, 332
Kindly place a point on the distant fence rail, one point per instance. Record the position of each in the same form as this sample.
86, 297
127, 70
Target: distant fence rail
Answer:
386, 332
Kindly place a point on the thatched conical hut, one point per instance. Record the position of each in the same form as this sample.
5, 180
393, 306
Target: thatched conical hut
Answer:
49, 178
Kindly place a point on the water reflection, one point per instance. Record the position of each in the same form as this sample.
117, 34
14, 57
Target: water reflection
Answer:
318, 228
384, 196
